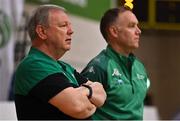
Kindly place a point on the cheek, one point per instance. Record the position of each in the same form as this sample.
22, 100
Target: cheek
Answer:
129, 36
61, 36
62, 33
125, 37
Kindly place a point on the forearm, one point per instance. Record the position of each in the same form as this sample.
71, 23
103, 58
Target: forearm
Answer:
84, 106
74, 102
85, 112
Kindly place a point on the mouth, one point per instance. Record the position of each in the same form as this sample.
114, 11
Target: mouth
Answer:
68, 39
137, 38
68, 42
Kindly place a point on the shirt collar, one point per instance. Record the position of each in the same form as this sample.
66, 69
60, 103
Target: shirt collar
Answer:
40, 53
118, 56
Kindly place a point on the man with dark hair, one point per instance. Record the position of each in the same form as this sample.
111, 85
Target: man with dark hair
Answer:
123, 76
45, 87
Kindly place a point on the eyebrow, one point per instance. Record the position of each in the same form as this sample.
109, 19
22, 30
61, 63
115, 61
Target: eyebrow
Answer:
133, 22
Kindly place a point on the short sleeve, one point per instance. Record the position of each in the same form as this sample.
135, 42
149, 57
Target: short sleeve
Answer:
50, 86
81, 79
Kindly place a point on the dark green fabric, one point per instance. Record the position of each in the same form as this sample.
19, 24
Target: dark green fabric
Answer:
35, 67
125, 82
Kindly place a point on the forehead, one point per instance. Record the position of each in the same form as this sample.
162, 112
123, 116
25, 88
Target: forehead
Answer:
127, 17
59, 15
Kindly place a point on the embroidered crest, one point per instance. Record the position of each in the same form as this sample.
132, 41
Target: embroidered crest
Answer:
91, 69
116, 72
119, 81
140, 76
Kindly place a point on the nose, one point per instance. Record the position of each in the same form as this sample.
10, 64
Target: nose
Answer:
138, 30
70, 30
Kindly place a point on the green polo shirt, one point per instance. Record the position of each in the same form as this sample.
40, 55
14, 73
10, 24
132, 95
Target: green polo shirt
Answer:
38, 79
125, 81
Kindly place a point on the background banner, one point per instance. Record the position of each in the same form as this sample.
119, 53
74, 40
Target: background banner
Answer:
92, 9
10, 16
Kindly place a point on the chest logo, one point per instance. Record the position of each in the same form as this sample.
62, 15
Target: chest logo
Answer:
140, 76
116, 72
91, 69
119, 81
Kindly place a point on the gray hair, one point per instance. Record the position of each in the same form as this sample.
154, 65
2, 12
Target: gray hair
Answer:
40, 16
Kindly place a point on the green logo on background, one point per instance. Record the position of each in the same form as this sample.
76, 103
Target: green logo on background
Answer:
5, 29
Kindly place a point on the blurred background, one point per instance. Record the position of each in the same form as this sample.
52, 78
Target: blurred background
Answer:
159, 47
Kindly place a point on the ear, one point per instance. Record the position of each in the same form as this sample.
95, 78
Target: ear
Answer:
113, 31
41, 31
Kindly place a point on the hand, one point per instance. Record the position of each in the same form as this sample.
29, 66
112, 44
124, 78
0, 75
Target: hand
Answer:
99, 95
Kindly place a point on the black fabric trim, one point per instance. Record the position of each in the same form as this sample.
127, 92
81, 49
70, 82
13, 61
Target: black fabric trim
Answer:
50, 86
81, 79
29, 108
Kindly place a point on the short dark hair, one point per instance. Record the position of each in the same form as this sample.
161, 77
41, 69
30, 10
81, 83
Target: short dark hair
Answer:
109, 18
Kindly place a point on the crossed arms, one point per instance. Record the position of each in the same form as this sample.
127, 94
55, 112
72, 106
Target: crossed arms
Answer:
75, 103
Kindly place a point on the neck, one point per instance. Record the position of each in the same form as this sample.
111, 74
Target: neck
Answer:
47, 50
120, 50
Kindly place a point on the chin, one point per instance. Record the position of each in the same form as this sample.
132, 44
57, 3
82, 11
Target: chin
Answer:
136, 45
67, 49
